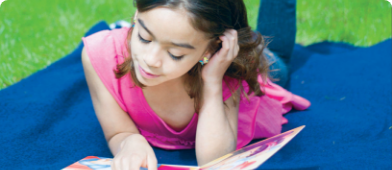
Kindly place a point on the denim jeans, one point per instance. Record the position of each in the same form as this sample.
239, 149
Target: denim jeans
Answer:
277, 22
279, 72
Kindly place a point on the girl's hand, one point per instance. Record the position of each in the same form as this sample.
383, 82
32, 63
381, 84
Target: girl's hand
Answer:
214, 70
134, 154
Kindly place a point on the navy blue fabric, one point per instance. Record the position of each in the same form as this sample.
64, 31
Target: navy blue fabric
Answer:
277, 21
48, 121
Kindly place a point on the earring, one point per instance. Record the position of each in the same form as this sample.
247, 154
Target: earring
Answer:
204, 61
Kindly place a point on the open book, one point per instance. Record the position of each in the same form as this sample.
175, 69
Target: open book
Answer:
248, 157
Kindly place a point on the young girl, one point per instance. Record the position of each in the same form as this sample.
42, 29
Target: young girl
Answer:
186, 75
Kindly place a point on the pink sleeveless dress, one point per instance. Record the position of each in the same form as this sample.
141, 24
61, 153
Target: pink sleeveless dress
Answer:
259, 117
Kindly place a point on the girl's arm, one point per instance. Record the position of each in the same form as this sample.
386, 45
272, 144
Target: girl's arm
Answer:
216, 133
217, 125
115, 122
130, 149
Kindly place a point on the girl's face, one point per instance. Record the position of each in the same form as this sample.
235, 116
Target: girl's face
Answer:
165, 46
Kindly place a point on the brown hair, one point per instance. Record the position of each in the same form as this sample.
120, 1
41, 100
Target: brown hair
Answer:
213, 17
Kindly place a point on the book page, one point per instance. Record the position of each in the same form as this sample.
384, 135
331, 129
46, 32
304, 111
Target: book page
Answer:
102, 163
249, 157
252, 156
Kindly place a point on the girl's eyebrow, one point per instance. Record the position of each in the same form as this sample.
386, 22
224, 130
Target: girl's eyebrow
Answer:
184, 45
144, 26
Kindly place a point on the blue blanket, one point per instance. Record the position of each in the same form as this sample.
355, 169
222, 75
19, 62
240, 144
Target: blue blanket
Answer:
48, 121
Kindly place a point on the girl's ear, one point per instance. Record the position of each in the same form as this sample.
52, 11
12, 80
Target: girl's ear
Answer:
207, 54
135, 16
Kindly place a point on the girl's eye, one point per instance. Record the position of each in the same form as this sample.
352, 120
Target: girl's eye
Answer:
171, 55
143, 40
176, 57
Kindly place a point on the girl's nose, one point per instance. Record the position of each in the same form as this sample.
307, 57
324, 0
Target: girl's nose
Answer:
153, 57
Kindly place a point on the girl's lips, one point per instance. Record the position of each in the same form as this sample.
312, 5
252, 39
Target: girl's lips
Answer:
145, 74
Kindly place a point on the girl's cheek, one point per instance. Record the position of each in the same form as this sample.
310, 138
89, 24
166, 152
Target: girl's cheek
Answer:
136, 48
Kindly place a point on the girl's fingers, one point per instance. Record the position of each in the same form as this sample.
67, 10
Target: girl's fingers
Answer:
116, 164
113, 165
225, 47
152, 162
235, 44
136, 162
233, 41
124, 164
229, 47
230, 39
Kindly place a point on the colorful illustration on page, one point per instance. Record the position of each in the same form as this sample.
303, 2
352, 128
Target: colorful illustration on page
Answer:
101, 163
252, 156
91, 163
249, 157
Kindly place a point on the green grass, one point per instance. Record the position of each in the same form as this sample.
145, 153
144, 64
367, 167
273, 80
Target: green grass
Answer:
34, 34
358, 22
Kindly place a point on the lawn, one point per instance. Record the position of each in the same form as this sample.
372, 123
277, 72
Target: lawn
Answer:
34, 34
